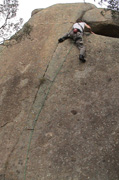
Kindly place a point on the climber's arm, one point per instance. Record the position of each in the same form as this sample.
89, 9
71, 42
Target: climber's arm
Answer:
89, 28
66, 36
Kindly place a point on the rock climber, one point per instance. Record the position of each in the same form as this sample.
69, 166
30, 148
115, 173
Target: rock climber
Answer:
76, 34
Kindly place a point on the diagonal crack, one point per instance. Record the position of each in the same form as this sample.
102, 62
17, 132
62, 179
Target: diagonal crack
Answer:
4, 125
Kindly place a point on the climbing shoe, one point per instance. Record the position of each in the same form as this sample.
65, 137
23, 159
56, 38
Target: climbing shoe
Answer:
60, 40
81, 58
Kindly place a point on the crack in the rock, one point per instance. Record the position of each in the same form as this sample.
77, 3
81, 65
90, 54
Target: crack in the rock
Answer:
106, 28
4, 124
44, 76
39, 86
50, 60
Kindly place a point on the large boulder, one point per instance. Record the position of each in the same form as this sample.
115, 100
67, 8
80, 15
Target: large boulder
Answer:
103, 21
59, 117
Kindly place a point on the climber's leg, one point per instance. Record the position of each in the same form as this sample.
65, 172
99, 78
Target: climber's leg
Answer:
82, 49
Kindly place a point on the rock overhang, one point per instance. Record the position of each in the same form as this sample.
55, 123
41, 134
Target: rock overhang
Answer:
103, 21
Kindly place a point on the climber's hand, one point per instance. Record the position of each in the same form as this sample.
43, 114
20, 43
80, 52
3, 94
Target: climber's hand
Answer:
92, 32
60, 40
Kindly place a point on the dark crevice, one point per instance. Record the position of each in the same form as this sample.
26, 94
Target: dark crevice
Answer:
110, 30
4, 125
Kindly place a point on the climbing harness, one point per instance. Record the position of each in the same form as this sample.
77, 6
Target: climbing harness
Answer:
75, 30
81, 27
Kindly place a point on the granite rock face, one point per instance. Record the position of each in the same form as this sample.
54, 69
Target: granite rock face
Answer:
59, 117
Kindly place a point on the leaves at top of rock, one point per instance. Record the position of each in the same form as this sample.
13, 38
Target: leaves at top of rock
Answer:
8, 10
111, 4
25, 32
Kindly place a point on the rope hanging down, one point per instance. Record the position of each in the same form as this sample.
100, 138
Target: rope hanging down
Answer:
35, 120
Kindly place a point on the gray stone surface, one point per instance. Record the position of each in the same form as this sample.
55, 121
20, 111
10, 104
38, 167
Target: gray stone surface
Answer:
59, 117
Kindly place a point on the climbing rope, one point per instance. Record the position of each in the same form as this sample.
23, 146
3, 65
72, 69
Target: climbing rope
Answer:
35, 120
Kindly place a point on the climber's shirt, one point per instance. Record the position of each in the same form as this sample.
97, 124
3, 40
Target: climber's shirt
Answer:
75, 35
79, 26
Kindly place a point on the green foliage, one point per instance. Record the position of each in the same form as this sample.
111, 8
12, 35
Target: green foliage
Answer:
8, 10
115, 16
24, 32
111, 4
27, 29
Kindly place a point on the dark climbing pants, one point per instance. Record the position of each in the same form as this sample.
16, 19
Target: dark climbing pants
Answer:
81, 47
